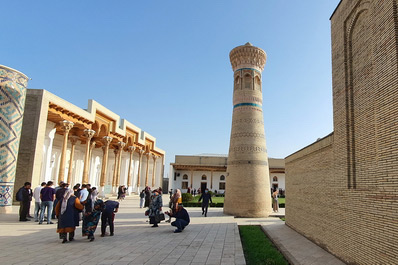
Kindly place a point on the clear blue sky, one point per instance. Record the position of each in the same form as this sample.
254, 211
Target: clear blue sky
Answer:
164, 65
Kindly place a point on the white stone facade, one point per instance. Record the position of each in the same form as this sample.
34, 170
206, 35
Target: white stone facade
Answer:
210, 171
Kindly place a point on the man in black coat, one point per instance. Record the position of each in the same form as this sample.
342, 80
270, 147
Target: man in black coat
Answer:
205, 203
25, 202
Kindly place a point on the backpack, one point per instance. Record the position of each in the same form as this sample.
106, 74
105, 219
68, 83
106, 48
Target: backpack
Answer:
19, 195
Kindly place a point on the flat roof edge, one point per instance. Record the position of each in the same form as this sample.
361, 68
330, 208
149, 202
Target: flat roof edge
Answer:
335, 9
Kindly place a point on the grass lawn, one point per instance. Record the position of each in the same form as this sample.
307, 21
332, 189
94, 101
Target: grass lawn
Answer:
214, 199
258, 249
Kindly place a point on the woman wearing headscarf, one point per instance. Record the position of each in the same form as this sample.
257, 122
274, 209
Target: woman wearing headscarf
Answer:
175, 200
155, 209
147, 196
67, 211
91, 216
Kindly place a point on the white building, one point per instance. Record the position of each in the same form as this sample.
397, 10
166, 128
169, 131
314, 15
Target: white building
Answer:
210, 171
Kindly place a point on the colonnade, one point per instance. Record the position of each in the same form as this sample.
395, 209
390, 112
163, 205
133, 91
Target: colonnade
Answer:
108, 145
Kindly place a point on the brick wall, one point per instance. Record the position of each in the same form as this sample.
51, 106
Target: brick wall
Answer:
350, 186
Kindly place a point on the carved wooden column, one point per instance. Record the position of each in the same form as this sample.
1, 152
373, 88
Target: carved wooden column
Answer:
88, 134
119, 162
106, 140
147, 168
73, 140
92, 146
154, 170
211, 180
191, 178
116, 152
66, 126
141, 153
131, 151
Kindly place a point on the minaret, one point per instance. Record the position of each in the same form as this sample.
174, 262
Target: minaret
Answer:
247, 191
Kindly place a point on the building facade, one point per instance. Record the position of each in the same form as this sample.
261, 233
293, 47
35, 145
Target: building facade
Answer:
343, 189
62, 142
210, 171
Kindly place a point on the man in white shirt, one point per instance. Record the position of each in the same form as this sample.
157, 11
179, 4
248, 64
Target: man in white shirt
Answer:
36, 196
83, 193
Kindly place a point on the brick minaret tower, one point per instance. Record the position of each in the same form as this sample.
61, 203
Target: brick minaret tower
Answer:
247, 191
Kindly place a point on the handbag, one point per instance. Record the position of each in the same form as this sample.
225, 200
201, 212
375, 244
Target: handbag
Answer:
159, 217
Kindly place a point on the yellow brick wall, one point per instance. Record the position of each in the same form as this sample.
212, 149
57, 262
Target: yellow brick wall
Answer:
342, 192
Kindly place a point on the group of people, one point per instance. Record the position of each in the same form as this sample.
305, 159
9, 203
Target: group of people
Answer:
154, 203
81, 203
70, 206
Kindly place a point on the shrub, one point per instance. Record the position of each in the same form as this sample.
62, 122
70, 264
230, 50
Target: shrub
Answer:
186, 197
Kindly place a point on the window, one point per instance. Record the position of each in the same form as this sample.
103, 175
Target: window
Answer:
204, 177
185, 176
221, 186
222, 177
275, 179
184, 185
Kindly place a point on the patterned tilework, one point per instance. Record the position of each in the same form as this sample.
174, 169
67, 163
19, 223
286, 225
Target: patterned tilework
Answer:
12, 101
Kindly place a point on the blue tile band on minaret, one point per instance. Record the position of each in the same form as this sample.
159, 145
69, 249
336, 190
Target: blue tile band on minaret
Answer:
252, 69
248, 104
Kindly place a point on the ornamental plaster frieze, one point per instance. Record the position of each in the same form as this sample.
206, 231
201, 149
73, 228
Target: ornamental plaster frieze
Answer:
240, 99
247, 56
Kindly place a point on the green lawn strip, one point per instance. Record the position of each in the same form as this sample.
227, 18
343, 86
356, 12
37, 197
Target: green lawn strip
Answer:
214, 199
258, 249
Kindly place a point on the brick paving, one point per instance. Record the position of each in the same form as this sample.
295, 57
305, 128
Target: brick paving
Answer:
211, 240
207, 240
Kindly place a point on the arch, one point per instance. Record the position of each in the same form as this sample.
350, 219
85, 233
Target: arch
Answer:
95, 127
237, 82
275, 179
185, 176
103, 131
204, 177
257, 83
247, 81
358, 54
222, 178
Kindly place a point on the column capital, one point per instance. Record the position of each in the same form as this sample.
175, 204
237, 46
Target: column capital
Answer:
106, 140
67, 125
131, 148
154, 157
116, 151
88, 133
73, 139
141, 152
121, 144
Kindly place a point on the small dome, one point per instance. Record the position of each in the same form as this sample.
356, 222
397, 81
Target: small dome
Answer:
248, 44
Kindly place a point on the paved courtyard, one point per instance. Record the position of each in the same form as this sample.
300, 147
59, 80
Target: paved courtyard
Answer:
207, 240
211, 240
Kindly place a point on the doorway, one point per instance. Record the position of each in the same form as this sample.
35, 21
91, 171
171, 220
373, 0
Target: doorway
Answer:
203, 186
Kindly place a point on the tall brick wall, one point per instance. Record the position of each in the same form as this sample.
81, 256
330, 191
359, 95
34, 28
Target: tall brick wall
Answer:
361, 194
